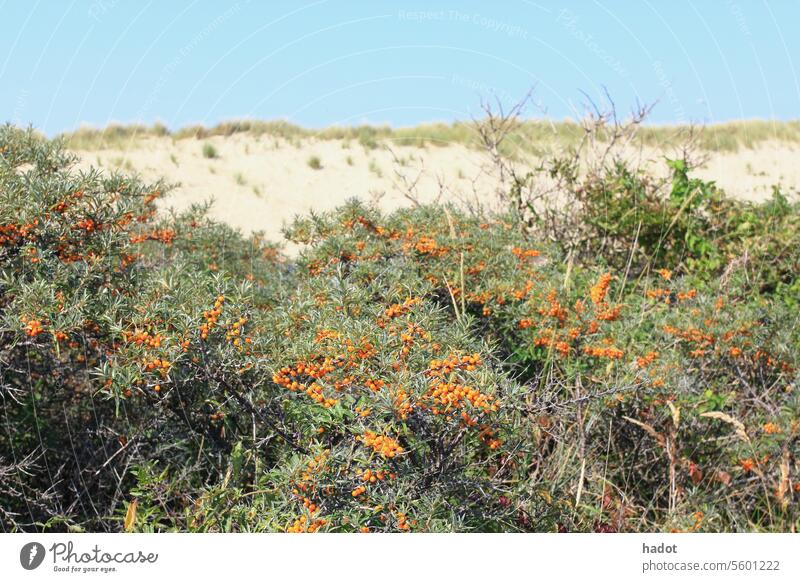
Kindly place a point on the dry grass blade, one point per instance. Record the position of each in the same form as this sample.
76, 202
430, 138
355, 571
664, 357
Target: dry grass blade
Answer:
741, 432
784, 485
676, 415
648, 429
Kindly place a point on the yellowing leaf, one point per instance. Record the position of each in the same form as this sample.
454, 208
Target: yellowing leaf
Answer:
130, 515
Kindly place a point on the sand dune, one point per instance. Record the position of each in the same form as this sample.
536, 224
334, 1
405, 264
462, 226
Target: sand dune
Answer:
259, 182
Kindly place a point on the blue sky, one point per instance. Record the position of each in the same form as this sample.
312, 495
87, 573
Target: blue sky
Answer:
318, 63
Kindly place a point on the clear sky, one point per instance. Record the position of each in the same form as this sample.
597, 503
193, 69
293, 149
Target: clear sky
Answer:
324, 62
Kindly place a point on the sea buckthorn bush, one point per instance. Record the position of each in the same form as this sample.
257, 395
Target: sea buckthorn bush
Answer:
427, 370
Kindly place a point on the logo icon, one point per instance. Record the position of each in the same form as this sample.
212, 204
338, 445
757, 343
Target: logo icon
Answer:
31, 555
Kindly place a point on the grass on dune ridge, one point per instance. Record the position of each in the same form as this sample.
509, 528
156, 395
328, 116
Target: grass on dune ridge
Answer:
531, 136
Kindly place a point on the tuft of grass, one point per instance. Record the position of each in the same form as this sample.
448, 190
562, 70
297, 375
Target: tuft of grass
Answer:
209, 151
314, 163
240, 179
375, 169
349, 160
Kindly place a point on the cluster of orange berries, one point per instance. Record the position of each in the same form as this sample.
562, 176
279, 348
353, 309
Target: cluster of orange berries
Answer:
668, 296
555, 309
302, 525
313, 466
233, 335
402, 403
211, 316
68, 254
152, 196
157, 364
325, 334
440, 368
750, 464
64, 204
771, 428
407, 337
523, 254
402, 522
600, 289
691, 335
88, 225
547, 338
398, 309
33, 327
310, 505
143, 338
375, 385
314, 391
477, 268
489, 437
665, 274
287, 378
309, 369
11, 234
610, 352
166, 236
520, 294
385, 446
361, 351
646, 360
610, 313
426, 245
783, 366
370, 476
450, 396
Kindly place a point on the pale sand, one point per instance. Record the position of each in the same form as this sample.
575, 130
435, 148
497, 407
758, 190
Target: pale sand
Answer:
261, 183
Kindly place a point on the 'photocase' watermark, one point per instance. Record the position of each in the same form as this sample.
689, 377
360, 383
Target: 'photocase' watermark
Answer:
672, 98
170, 68
741, 21
31, 555
65, 558
487, 22
569, 20
100, 8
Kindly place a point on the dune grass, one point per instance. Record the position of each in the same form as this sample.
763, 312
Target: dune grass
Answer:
532, 136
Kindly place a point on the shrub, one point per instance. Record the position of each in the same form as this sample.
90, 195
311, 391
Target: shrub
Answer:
425, 370
314, 163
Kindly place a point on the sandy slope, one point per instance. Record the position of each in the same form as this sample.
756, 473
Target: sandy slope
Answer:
259, 183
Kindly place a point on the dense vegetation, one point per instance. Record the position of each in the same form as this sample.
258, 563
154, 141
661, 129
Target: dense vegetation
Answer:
631, 368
